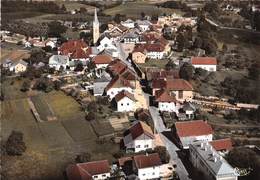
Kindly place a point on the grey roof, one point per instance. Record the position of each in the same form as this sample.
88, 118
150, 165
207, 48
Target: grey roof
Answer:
220, 167
131, 35
58, 59
188, 107
105, 77
21, 62
144, 22
99, 87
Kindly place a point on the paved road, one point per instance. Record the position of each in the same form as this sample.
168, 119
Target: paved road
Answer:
171, 147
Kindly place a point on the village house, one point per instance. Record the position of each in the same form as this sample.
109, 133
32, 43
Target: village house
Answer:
181, 89
130, 37
143, 25
165, 101
105, 43
76, 50
19, 66
147, 166
189, 110
139, 55
59, 61
129, 23
100, 84
116, 85
156, 73
206, 159
188, 132
115, 31
101, 62
99, 170
139, 137
125, 101
206, 63
223, 146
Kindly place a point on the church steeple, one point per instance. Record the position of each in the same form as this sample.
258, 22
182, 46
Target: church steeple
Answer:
95, 27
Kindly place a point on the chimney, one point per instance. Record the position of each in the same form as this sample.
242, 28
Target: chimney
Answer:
201, 145
215, 158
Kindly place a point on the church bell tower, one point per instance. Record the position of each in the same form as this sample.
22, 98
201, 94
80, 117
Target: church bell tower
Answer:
95, 28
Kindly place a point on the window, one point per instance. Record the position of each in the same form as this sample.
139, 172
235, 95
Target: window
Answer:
153, 173
104, 175
122, 104
127, 104
95, 177
143, 174
112, 92
180, 94
146, 146
138, 146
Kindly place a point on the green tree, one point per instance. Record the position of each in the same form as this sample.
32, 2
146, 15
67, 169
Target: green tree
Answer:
254, 71
186, 71
163, 153
56, 29
15, 145
83, 157
26, 86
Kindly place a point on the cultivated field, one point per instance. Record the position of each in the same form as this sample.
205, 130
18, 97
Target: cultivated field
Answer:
134, 9
51, 145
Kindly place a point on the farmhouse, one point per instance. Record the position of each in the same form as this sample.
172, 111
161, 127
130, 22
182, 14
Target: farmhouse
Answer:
189, 132
165, 101
125, 101
206, 63
59, 61
180, 88
19, 66
147, 166
89, 170
223, 146
116, 85
75, 49
102, 61
139, 137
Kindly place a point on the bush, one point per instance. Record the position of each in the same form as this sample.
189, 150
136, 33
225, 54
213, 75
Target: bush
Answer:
83, 157
90, 116
26, 86
15, 145
163, 153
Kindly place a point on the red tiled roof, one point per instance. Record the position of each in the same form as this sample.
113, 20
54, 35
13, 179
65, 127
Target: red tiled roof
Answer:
128, 74
117, 66
123, 160
150, 160
222, 144
85, 171
193, 128
154, 47
172, 84
118, 81
102, 59
162, 74
77, 49
123, 94
141, 128
203, 61
164, 96
178, 84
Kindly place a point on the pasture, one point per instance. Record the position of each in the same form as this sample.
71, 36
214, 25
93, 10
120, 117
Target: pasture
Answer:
53, 144
134, 10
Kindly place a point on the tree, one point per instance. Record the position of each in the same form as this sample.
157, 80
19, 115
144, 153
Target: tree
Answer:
63, 8
79, 67
15, 145
44, 84
254, 71
142, 15
83, 157
26, 86
82, 10
91, 116
170, 65
103, 27
91, 66
186, 71
56, 29
245, 158
163, 153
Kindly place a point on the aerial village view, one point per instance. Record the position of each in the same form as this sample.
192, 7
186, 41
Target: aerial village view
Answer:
130, 89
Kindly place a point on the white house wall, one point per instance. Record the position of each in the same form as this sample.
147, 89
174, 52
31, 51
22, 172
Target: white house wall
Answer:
149, 173
207, 67
112, 92
167, 106
125, 105
190, 139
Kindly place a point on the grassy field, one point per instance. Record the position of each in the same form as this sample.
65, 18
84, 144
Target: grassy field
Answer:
153, 64
74, 5
134, 9
52, 144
